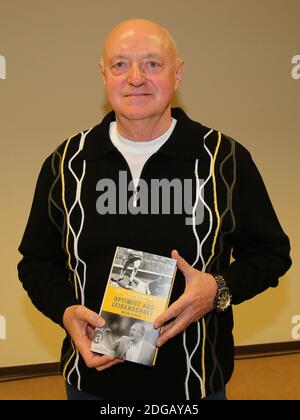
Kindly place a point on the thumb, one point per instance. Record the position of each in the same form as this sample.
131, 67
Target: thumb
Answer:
182, 264
91, 317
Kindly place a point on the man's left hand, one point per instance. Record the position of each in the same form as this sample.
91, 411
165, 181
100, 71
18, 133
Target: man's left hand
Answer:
193, 304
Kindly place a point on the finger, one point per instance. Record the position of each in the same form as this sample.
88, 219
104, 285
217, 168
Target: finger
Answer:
182, 264
171, 312
91, 317
167, 327
108, 365
93, 360
172, 329
90, 331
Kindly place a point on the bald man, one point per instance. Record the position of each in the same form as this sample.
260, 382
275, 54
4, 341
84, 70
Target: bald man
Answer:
137, 155
141, 72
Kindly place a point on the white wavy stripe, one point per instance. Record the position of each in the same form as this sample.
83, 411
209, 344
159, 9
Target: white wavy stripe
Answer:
188, 356
194, 212
203, 201
199, 254
78, 201
199, 248
76, 239
189, 361
75, 367
78, 235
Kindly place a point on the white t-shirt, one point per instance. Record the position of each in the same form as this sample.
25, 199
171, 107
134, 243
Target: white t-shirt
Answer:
133, 353
137, 153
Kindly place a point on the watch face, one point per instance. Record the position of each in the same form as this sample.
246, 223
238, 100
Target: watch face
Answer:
223, 297
224, 301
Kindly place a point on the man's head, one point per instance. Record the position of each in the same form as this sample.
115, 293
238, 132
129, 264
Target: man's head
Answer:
141, 70
137, 332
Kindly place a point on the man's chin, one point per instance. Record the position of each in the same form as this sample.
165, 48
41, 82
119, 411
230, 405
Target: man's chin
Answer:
137, 113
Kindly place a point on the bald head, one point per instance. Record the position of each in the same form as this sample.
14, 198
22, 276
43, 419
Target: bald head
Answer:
141, 28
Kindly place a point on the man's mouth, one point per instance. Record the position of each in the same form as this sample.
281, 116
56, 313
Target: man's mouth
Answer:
128, 95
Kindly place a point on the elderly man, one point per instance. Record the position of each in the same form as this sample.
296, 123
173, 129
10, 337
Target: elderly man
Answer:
69, 241
133, 347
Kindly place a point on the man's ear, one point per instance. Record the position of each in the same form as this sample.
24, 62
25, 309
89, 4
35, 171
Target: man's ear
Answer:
179, 73
102, 70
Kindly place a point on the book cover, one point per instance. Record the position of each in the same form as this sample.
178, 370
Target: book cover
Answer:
138, 290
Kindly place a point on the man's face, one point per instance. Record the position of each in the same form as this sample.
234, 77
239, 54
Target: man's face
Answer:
136, 333
140, 72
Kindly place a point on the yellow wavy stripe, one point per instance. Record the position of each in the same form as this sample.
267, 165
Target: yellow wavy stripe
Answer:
203, 391
63, 191
215, 199
68, 361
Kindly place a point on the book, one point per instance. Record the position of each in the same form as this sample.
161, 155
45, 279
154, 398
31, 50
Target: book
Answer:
137, 291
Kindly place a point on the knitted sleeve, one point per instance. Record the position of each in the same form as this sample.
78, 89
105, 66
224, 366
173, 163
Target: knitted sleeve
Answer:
260, 247
43, 268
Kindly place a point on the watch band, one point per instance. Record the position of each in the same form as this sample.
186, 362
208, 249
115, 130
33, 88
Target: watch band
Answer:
223, 298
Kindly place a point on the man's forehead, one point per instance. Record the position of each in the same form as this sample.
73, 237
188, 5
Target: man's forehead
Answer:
136, 43
135, 54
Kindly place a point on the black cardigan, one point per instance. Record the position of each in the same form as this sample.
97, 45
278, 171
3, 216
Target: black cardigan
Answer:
68, 249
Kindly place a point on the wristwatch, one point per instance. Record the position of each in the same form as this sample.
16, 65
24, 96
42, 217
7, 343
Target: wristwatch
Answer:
222, 300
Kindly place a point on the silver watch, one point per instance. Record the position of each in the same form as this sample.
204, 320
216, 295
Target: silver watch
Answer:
223, 298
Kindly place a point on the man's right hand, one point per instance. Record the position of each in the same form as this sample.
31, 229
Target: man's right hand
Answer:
80, 323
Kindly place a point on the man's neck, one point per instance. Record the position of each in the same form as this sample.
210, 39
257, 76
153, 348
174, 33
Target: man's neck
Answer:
144, 130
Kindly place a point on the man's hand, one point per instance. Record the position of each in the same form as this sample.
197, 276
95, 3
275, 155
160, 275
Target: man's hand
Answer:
193, 304
80, 323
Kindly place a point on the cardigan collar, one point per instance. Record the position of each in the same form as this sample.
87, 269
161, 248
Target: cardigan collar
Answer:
186, 141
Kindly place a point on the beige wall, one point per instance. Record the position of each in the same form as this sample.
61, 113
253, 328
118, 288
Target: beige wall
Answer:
238, 79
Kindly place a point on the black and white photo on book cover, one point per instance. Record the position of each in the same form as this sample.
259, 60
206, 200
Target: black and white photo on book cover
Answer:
138, 290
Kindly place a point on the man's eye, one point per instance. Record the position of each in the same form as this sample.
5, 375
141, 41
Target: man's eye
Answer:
152, 65
119, 67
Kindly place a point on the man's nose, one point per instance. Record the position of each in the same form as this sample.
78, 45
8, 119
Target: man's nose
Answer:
135, 75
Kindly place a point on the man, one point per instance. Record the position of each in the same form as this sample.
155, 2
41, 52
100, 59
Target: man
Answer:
68, 246
135, 260
133, 347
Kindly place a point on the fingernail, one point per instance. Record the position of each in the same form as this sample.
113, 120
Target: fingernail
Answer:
100, 323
